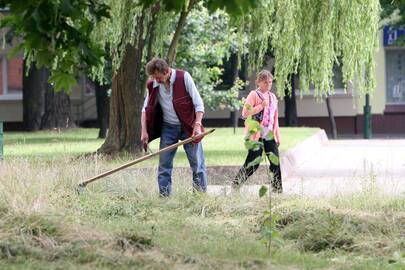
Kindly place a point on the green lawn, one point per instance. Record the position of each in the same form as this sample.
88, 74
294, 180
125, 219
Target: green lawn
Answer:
50, 144
222, 147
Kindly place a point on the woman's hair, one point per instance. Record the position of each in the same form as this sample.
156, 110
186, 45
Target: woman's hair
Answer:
264, 75
156, 64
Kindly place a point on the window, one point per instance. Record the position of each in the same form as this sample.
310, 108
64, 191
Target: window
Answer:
15, 75
395, 68
11, 78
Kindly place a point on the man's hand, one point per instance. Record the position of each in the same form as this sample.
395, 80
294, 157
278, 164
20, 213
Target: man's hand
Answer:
144, 137
197, 128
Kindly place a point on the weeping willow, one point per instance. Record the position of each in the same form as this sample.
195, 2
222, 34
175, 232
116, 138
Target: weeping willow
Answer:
309, 37
123, 29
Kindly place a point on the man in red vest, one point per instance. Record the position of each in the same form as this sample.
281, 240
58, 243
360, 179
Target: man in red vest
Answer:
173, 111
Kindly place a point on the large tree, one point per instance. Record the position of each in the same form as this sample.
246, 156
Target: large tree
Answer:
44, 108
136, 32
54, 36
129, 33
203, 53
307, 36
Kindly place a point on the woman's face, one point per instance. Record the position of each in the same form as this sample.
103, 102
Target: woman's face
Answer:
265, 84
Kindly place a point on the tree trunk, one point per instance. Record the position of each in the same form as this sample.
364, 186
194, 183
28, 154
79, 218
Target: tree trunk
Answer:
171, 54
151, 39
290, 108
128, 87
34, 88
43, 108
234, 115
58, 113
125, 106
102, 103
127, 99
331, 119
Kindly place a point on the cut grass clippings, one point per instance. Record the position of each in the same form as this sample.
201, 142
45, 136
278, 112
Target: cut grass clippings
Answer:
121, 223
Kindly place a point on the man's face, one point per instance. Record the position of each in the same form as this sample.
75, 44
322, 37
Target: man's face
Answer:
161, 77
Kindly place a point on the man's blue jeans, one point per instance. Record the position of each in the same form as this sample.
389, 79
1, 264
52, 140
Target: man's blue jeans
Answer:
172, 134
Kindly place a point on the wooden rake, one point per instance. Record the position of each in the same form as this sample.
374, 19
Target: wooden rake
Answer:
83, 184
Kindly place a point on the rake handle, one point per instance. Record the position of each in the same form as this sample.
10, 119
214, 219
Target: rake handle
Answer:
138, 160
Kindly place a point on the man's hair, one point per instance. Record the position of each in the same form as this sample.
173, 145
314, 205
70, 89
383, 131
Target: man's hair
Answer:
264, 75
156, 64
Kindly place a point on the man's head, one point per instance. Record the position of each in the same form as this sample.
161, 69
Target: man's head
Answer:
158, 69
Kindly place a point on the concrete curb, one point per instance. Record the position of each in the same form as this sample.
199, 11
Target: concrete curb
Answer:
301, 152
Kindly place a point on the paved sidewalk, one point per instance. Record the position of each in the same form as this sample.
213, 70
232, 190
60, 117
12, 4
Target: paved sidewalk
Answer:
345, 167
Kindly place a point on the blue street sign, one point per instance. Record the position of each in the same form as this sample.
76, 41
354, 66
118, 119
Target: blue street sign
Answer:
391, 34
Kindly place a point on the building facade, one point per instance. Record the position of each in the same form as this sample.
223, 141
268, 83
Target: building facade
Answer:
387, 101
83, 100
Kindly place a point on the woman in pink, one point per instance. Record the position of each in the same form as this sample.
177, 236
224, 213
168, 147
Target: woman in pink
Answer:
261, 104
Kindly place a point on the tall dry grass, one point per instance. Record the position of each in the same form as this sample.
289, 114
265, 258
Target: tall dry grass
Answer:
120, 222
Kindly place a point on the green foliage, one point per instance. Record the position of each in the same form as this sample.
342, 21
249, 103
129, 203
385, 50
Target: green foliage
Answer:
269, 230
309, 36
233, 7
207, 40
393, 12
120, 30
270, 136
269, 219
262, 191
253, 125
62, 80
393, 8
56, 34
254, 31
172, 5
306, 36
130, 23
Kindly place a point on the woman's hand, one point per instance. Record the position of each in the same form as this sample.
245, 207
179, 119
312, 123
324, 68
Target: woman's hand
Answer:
265, 103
